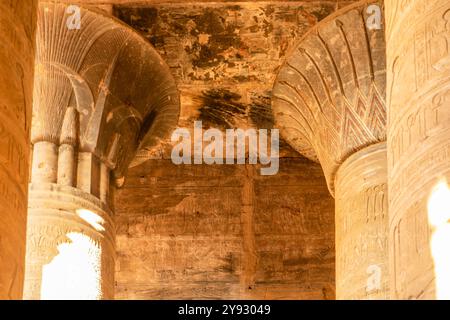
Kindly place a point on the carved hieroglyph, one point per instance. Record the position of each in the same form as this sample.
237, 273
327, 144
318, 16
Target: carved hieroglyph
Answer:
418, 85
17, 33
101, 94
329, 102
362, 265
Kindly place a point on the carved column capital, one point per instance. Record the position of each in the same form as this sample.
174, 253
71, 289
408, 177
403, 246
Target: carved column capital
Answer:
329, 96
101, 94
102, 86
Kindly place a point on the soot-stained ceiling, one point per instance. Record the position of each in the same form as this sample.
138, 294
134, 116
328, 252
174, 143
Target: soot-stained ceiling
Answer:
225, 56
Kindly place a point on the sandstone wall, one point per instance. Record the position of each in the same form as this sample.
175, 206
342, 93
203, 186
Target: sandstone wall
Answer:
224, 232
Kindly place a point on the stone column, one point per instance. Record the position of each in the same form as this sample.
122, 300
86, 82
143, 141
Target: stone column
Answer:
361, 225
418, 64
70, 236
70, 247
329, 102
17, 31
87, 127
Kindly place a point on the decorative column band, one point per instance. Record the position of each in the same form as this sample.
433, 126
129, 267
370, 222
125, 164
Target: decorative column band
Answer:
361, 225
70, 245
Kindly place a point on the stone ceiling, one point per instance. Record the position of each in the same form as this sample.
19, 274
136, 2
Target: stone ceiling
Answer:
224, 55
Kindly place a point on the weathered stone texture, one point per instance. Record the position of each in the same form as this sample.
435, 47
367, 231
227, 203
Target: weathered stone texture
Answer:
225, 55
224, 42
270, 234
218, 232
17, 30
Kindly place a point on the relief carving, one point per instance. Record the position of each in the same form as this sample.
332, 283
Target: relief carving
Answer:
89, 79
328, 98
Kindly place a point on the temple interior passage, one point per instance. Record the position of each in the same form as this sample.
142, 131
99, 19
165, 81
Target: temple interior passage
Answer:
241, 150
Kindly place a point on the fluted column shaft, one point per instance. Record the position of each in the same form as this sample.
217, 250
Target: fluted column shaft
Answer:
418, 62
361, 225
17, 47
